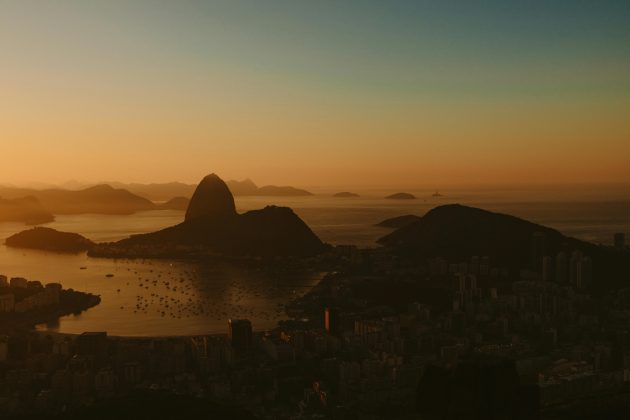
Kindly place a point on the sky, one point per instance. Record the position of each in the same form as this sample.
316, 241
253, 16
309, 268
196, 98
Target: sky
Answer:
354, 92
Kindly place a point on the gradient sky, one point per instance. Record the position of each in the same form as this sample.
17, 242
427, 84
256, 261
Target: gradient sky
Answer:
315, 92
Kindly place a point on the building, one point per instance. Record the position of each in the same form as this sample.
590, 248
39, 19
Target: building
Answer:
548, 268
562, 268
620, 240
539, 250
331, 320
19, 282
7, 303
584, 276
240, 335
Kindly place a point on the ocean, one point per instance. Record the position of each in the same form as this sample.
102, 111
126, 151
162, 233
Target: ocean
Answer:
172, 298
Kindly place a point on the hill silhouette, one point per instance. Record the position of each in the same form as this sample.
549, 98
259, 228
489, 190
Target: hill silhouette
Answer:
457, 232
26, 210
213, 223
99, 199
50, 240
212, 200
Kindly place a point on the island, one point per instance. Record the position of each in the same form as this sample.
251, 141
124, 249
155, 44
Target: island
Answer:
399, 221
48, 239
27, 210
212, 225
346, 194
401, 196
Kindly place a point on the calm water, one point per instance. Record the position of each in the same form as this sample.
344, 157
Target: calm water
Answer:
179, 298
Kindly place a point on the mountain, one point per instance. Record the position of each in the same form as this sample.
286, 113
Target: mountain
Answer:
212, 200
345, 194
26, 210
177, 203
99, 199
212, 223
49, 240
401, 196
245, 187
158, 192
458, 232
400, 221
166, 191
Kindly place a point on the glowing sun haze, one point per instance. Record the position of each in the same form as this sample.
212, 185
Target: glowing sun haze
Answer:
315, 93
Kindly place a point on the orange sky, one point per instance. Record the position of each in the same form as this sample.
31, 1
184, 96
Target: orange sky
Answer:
96, 93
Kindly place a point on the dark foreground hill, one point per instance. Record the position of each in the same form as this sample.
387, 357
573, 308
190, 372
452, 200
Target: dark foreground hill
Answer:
25, 210
458, 232
49, 240
100, 199
212, 222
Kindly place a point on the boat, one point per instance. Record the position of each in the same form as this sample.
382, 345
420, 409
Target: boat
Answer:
437, 194
109, 275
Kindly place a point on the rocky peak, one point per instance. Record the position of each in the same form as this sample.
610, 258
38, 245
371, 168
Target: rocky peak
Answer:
212, 198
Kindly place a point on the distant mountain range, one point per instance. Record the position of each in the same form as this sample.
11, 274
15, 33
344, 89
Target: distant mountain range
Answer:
164, 192
36, 206
100, 199
24, 210
212, 222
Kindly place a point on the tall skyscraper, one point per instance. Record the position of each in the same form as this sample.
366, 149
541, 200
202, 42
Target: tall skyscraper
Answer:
562, 267
539, 250
331, 320
620, 240
240, 335
548, 268
574, 263
584, 273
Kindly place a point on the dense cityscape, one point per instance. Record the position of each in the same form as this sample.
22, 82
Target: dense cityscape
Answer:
490, 343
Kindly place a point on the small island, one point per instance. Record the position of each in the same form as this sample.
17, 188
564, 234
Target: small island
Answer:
400, 221
401, 196
346, 194
48, 239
